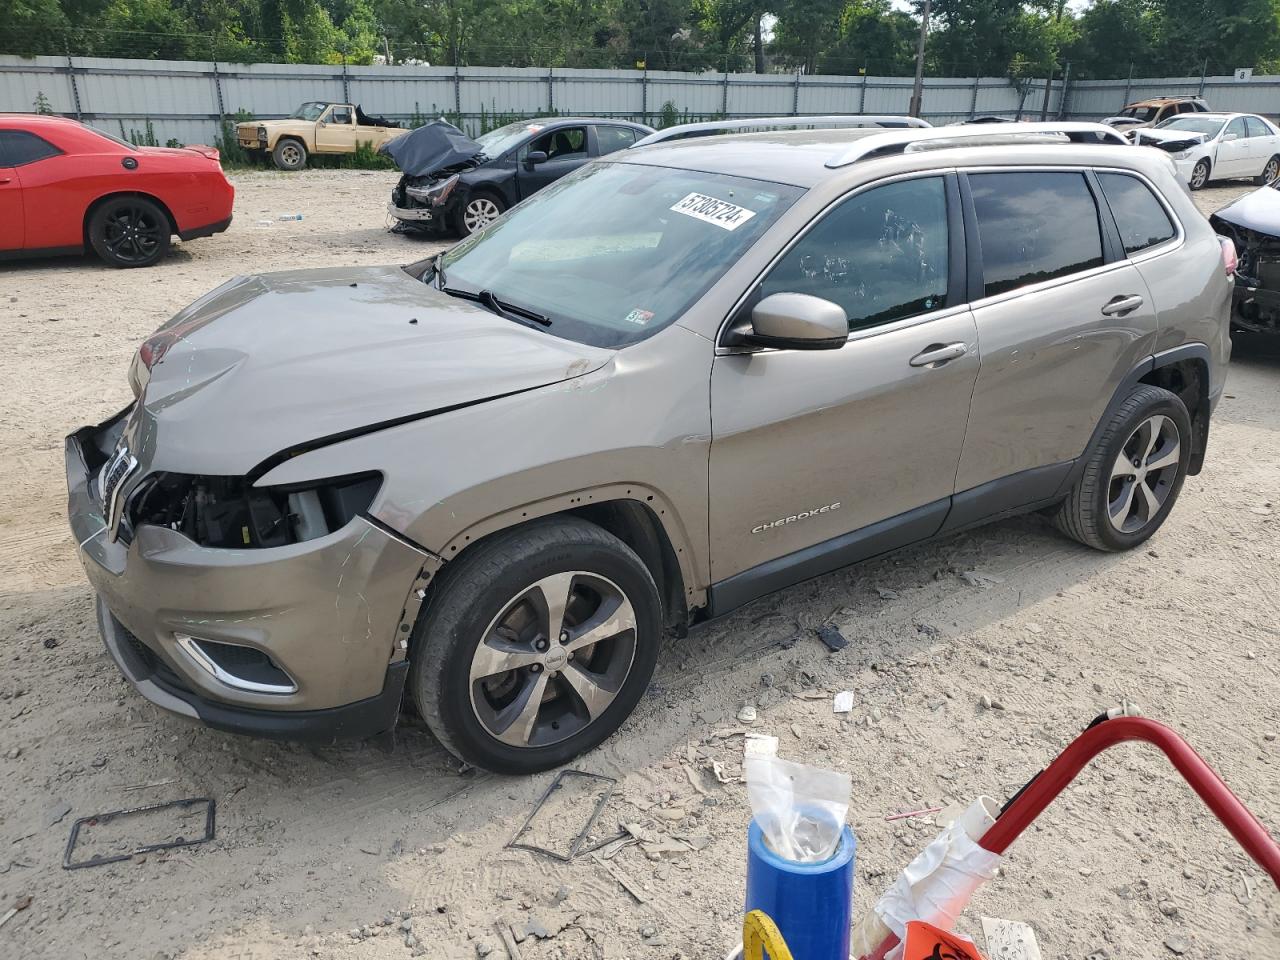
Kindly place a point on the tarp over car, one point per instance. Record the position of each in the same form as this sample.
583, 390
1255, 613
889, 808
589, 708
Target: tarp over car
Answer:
434, 146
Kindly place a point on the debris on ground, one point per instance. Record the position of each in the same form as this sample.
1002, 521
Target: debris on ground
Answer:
843, 702
1010, 939
621, 878
574, 796
830, 635
747, 713
125, 834
19, 905
976, 578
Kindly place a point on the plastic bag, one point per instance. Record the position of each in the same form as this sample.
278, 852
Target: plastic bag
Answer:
800, 809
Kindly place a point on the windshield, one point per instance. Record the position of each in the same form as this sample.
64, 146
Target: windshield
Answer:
499, 141
617, 251
308, 111
1209, 127
1144, 114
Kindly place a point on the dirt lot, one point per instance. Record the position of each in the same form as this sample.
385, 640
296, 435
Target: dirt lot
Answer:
314, 845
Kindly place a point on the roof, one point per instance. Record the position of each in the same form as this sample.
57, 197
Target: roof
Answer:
1160, 101
805, 158
40, 118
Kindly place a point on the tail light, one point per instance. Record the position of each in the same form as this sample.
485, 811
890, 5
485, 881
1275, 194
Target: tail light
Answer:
1229, 258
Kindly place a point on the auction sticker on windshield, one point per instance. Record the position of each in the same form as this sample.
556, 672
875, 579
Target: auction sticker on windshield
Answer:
722, 213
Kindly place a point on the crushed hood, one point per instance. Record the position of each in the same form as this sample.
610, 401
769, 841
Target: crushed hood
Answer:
1168, 140
1258, 211
269, 364
430, 148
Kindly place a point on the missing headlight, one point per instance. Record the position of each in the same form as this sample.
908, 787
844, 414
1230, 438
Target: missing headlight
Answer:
232, 513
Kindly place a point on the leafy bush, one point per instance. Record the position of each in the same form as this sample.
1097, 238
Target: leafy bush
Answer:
232, 154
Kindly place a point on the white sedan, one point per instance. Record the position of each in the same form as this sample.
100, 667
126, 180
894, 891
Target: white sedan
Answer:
1217, 146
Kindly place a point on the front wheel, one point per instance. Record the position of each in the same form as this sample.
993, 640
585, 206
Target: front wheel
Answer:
1200, 174
478, 212
535, 646
129, 232
1132, 478
1269, 172
289, 155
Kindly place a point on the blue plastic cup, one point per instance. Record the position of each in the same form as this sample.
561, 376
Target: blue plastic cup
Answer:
811, 903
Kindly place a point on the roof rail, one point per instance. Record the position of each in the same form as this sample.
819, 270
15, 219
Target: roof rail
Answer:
686, 130
972, 135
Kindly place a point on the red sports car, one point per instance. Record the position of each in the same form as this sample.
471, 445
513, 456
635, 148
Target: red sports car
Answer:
65, 187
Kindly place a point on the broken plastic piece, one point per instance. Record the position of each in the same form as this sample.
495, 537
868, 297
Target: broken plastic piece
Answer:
575, 847
104, 818
830, 634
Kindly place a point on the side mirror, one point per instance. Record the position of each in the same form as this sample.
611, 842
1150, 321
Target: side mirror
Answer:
535, 157
1230, 136
797, 321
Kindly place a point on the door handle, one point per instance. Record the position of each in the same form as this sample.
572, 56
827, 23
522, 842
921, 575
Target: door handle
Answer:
1119, 306
936, 354
6, 179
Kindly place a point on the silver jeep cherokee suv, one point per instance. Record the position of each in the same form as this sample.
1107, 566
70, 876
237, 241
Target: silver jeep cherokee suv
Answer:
686, 376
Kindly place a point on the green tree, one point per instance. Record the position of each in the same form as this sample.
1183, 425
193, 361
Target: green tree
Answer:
33, 27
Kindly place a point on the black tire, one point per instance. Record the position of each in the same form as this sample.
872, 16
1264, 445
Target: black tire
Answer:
466, 217
129, 231
289, 154
1200, 175
1086, 514
1269, 173
467, 602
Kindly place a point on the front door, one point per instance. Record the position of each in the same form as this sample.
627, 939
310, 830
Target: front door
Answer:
565, 149
808, 446
1064, 317
336, 130
1233, 151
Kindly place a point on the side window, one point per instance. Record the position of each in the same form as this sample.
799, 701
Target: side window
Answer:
340, 115
18, 148
882, 255
1236, 129
1142, 220
561, 144
1256, 127
609, 139
1034, 227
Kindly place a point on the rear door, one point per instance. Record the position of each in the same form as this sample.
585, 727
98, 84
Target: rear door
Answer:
611, 138
811, 445
566, 149
1063, 317
1263, 145
11, 220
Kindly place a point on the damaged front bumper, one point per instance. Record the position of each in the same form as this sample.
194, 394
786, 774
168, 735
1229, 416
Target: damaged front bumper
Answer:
426, 216
304, 641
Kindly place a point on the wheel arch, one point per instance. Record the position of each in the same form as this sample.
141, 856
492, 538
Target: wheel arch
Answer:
116, 194
637, 515
1184, 371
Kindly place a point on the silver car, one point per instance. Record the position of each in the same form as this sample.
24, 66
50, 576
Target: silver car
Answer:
679, 379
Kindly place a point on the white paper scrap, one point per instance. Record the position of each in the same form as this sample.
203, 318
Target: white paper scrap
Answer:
1010, 940
844, 701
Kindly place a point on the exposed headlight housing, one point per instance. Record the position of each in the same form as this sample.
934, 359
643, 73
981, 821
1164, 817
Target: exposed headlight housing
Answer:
435, 194
231, 512
262, 133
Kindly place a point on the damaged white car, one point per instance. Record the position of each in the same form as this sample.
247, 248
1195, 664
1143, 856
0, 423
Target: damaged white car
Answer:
1217, 146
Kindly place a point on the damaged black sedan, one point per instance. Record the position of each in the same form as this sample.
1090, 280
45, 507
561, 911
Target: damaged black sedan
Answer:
1252, 223
451, 182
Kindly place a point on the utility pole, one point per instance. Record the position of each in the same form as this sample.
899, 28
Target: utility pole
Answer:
917, 91
386, 46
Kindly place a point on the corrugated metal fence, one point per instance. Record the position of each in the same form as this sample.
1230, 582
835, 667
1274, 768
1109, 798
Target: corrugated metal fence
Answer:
184, 99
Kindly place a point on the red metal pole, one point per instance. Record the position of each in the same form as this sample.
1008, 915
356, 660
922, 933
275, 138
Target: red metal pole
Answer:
1022, 811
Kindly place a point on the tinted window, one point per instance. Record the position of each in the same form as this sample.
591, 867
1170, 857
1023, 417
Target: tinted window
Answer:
1256, 127
609, 139
1142, 220
882, 255
17, 147
1236, 128
1034, 226
561, 144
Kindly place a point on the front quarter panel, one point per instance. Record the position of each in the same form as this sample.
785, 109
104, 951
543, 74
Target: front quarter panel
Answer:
637, 428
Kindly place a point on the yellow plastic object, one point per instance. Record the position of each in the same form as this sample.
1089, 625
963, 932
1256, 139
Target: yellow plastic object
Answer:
761, 939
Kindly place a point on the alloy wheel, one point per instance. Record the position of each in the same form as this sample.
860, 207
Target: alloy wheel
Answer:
479, 213
132, 233
1272, 171
1143, 474
1199, 175
553, 659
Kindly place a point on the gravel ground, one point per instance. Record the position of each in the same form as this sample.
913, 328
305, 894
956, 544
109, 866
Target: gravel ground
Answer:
356, 853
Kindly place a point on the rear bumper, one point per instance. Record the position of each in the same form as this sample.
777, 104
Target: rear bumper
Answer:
332, 615
208, 230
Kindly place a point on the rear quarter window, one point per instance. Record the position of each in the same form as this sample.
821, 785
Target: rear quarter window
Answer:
1142, 219
19, 147
611, 139
1034, 227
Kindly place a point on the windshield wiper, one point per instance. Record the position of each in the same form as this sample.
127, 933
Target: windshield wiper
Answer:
508, 311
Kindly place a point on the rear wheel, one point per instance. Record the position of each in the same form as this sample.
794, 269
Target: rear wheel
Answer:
289, 155
1200, 174
1132, 478
129, 232
1269, 172
536, 646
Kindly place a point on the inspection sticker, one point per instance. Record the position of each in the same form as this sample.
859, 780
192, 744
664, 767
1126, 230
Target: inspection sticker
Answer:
722, 213
639, 317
